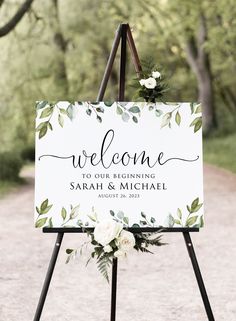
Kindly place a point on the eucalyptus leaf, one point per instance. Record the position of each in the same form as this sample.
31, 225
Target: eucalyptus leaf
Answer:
166, 120
60, 120
135, 119
125, 117
120, 215
44, 205
119, 110
41, 104
179, 213
158, 112
134, 109
43, 132
41, 222
46, 112
197, 126
99, 119
63, 213
70, 111
178, 118
191, 220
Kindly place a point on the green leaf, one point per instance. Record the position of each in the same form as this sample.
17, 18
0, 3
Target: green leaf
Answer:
41, 222
177, 222
201, 221
152, 220
191, 220
198, 109
171, 220
63, 111
192, 107
46, 112
50, 224
135, 225
69, 251
112, 213
134, 109
99, 119
150, 108
197, 126
194, 122
120, 215
126, 220
44, 205
197, 208
143, 215
69, 111
41, 104
108, 103
43, 132
40, 126
166, 120
47, 209
37, 209
60, 120
179, 213
88, 111
125, 117
49, 125
158, 112
100, 110
135, 119
195, 203
119, 110
188, 208
178, 118
63, 213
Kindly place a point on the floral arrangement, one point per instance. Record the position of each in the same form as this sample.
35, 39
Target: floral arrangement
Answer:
150, 84
110, 241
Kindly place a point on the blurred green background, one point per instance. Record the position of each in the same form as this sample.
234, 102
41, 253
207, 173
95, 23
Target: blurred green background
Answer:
58, 49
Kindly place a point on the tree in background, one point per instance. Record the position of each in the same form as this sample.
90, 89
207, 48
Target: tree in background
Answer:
60, 48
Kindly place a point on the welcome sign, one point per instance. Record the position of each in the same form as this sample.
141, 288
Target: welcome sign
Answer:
139, 163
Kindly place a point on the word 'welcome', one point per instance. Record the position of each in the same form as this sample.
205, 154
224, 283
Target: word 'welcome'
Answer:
124, 158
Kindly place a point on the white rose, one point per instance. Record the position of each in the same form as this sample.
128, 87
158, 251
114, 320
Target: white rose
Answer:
119, 254
156, 74
125, 241
150, 83
107, 249
142, 82
106, 231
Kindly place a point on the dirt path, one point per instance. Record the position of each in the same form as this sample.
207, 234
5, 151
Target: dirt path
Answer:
161, 287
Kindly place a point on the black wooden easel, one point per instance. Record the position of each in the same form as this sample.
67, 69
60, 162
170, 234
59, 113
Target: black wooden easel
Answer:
124, 35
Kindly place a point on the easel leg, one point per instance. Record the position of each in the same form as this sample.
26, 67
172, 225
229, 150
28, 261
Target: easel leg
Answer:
48, 276
198, 275
113, 289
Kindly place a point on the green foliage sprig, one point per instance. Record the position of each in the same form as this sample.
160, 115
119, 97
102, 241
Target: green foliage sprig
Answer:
47, 110
150, 84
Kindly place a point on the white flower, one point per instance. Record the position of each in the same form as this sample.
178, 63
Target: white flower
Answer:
119, 254
156, 74
150, 83
106, 231
107, 249
142, 82
125, 241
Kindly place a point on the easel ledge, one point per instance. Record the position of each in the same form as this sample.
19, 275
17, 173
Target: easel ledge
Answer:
131, 229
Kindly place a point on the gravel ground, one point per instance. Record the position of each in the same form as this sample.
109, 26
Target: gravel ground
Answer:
159, 287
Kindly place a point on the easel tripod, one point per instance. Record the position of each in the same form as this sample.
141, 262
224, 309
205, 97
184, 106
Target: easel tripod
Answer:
124, 35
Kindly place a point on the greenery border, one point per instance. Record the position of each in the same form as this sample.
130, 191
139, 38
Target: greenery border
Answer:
73, 213
45, 111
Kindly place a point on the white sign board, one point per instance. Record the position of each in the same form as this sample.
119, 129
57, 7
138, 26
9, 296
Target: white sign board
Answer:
138, 162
